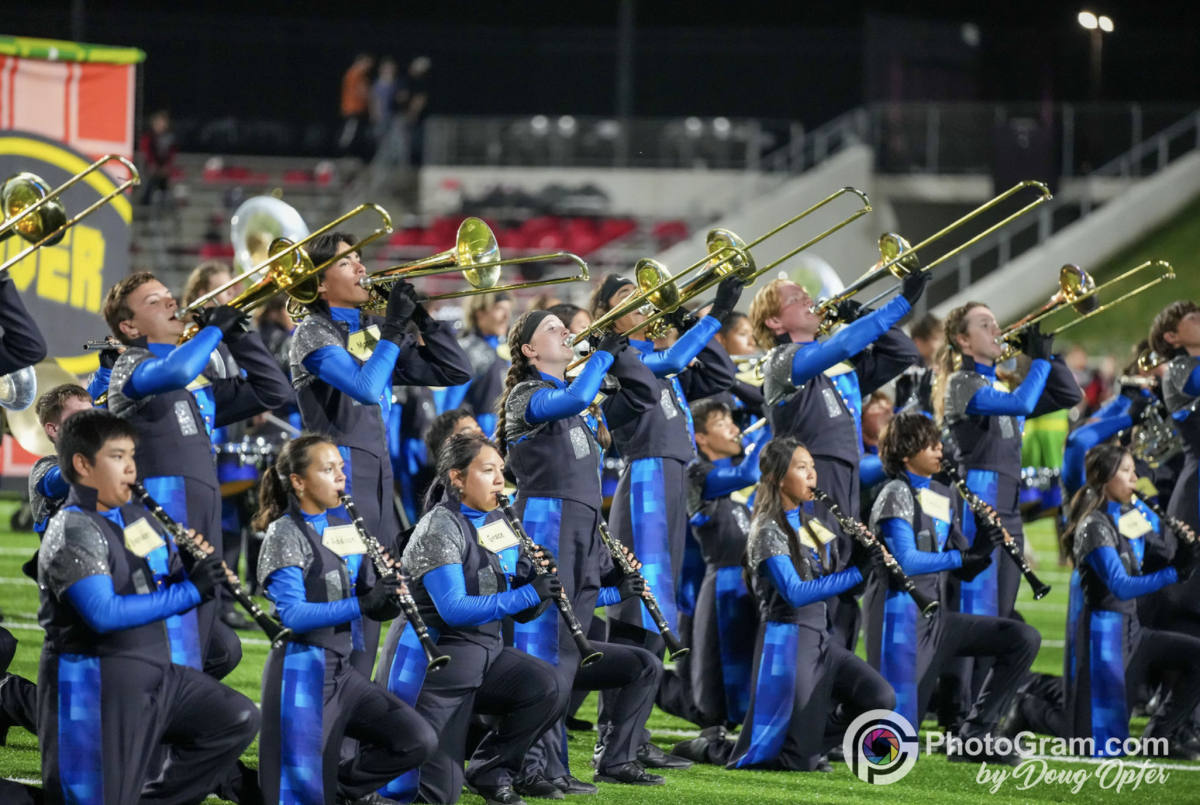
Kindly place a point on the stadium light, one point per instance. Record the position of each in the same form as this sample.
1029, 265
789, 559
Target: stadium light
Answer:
1088, 20
1106, 24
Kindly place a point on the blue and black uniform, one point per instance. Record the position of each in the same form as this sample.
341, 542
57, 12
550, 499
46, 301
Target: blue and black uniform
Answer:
488, 371
808, 687
174, 396
312, 696
556, 461
917, 519
109, 693
464, 590
413, 413
1181, 392
1101, 426
726, 617
47, 490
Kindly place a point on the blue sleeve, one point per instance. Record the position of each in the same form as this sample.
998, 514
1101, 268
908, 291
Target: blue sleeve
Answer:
1021, 401
286, 588
1118, 406
448, 589
99, 382
722, 481
1192, 386
104, 611
870, 471
847, 342
365, 383
609, 596
801, 593
1085, 437
1107, 562
454, 396
902, 544
174, 371
547, 405
674, 359
53, 485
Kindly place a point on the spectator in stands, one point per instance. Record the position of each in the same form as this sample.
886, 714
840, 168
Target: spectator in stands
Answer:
416, 108
383, 98
356, 101
157, 148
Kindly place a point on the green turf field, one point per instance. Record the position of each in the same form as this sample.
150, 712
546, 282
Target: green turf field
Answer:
933, 780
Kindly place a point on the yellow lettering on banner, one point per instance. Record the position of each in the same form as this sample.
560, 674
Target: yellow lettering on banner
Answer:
87, 269
54, 271
69, 273
23, 272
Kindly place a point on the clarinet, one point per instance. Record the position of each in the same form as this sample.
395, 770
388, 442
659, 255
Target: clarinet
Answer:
386, 573
864, 537
587, 653
674, 647
1178, 526
277, 632
1010, 545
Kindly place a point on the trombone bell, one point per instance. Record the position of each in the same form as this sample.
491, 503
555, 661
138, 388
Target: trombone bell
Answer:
1073, 283
21, 192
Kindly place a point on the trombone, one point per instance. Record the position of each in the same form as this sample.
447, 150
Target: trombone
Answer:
899, 257
477, 255
289, 269
1078, 290
37, 214
1148, 360
728, 255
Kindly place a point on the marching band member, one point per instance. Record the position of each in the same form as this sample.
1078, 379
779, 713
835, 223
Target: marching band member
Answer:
916, 517
464, 589
47, 486
726, 614
984, 427
166, 393
344, 364
109, 691
814, 391
486, 325
311, 695
649, 510
914, 387
807, 686
555, 458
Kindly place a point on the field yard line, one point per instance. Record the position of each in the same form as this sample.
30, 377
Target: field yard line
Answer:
6, 551
24, 780
30, 626
1054, 644
1038, 605
1096, 761
18, 580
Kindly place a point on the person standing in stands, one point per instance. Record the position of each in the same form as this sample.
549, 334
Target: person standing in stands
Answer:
355, 138
157, 148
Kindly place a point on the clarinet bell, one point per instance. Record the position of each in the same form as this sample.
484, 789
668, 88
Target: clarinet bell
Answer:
1041, 591
924, 603
594, 657
438, 663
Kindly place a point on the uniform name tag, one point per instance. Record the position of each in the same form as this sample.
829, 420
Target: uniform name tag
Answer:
362, 344
1133, 524
496, 536
344, 540
815, 528
839, 369
935, 505
142, 539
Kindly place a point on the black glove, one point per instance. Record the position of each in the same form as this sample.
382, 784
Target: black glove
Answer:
987, 537
632, 586
207, 575
866, 558
547, 586
612, 343
108, 357
232, 323
728, 294
402, 304
972, 565
1036, 345
681, 320
379, 603
1136, 409
913, 285
1184, 562
850, 311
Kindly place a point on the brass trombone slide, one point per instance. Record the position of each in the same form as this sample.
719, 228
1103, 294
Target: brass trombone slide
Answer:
53, 205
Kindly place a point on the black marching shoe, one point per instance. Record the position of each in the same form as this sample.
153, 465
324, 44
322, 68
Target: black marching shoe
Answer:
631, 773
579, 725
696, 749
497, 794
538, 788
375, 798
652, 757
823, 765
573, 786
1013, 722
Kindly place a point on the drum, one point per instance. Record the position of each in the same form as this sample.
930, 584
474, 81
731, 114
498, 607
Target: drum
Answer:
241, 464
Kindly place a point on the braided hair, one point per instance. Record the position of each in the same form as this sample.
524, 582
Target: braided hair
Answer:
1100, 465
948, 355
276, 485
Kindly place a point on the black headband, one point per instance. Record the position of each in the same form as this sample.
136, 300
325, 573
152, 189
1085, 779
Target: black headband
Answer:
531, 324
612, 283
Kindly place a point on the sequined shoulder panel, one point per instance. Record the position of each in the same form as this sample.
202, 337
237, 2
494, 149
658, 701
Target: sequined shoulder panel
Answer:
73, 548
1094, 531
437, 540
766, 540
777, 374
697, 475
284, 546
122, 370
312, 333
38, 502
479, 353
895, 501
960, 388
517, 405
1176, 378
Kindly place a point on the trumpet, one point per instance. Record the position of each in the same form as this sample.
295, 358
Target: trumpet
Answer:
477, 255
863, 536
899, 258
387, 573
1078, 290
1148, 360
276, 632
1011, 547
675, 648
37, 213
587, 654
728, 255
